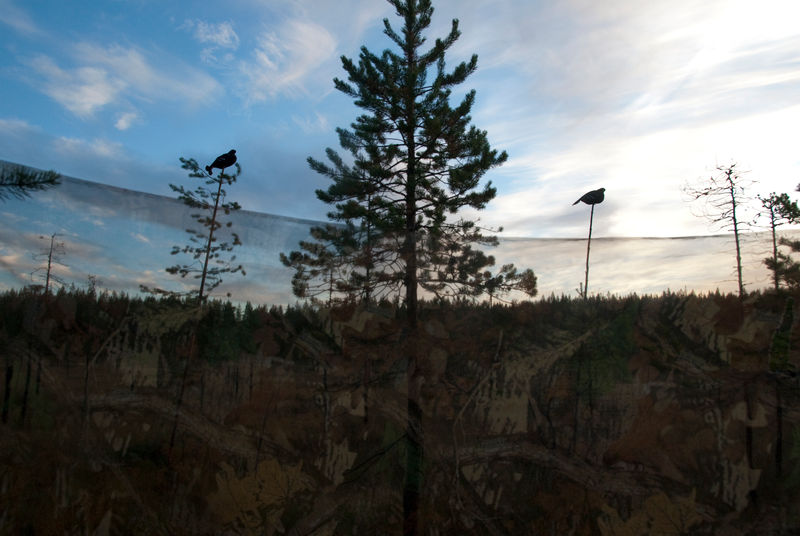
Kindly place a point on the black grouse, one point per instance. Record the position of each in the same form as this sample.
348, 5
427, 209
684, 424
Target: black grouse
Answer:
222, 161
593, 197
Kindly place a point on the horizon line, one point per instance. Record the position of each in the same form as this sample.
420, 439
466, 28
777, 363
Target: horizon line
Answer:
5, 163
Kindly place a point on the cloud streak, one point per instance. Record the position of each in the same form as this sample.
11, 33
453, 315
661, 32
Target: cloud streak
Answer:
284, 60
637, 98
103, 76
17, 18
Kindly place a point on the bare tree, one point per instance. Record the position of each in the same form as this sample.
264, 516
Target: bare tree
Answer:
53, 255
721, 196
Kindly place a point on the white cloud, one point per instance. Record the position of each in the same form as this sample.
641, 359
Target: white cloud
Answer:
125, 120
634, 97
97, 147
284, 60
112, 75
175, 81
140, 237
16, 127
82, 91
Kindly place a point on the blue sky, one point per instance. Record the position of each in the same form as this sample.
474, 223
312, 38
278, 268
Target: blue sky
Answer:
637, 97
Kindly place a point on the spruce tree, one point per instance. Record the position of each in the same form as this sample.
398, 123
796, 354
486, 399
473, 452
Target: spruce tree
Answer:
416, 162
779, 209
204, 245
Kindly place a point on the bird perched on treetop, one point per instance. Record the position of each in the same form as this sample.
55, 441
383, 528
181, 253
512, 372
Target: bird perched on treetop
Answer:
592, 198
222, 161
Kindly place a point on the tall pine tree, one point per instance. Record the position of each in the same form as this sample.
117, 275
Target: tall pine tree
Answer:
779, 209
416, 162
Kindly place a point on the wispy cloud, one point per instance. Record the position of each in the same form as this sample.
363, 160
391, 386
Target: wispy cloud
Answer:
221, 34
82, 91
175, 81
17, 18
283, 60
215, 36
98, 147
106, 75
633, 97
309, 125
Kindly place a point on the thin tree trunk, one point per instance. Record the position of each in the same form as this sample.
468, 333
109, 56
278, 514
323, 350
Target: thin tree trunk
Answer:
86, 385
775, 277
49, 264
748, 431
250, 393
576, 412
588, 247
24, 410
779, 426
7, 392
208, 245
202, 389
180, 394
736, 232
366, 389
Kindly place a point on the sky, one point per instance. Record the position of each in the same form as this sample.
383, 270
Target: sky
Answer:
636, 97
123, 239
641, 98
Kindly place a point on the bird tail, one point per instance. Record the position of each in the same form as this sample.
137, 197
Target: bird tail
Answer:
576, 202
208, 170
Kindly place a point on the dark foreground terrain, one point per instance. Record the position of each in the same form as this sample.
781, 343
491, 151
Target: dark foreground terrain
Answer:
655, 415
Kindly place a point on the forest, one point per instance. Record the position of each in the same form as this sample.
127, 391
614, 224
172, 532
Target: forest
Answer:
670, 414
416, 386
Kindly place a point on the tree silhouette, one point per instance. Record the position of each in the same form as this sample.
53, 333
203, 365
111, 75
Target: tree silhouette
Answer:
53, 255
780, 210
722, 195
204, 248
19, 182
417, 162
208, 266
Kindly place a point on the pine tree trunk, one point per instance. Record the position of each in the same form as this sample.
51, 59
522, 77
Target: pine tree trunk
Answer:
208, 245
736, 232
779, 426
775, 277
86, 383
38, 373
49, 264
24, 410
7, 392
180, 393
415, 455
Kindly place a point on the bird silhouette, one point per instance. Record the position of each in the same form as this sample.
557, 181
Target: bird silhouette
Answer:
592, 198
222, 161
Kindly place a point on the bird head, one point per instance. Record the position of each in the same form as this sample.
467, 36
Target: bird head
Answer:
232, 151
